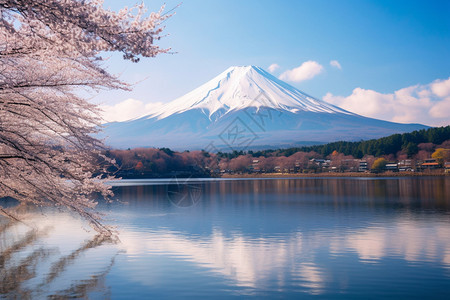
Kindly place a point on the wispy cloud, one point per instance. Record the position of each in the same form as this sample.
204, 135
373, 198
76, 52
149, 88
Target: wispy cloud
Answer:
427, 104
128, 109
336, 64
273, 67
307, 70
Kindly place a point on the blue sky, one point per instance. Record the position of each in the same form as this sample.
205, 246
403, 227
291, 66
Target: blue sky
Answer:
381, 46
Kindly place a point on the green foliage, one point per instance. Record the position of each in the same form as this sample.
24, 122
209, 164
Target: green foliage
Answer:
167, 151
392, 144
411, 149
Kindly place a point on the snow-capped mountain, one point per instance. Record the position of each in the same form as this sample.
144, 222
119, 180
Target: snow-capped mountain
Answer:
245, 108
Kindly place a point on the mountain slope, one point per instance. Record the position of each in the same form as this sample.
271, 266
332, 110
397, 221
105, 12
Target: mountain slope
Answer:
246, 107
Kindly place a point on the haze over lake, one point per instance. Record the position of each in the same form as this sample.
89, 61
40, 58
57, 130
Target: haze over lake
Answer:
330, 238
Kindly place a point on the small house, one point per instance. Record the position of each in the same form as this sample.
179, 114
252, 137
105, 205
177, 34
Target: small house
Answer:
429, 164
391, 166
363, 166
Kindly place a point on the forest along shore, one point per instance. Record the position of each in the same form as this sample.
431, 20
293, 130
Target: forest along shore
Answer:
419, 153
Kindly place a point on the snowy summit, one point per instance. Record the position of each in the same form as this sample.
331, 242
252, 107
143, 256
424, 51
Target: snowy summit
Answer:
241, 87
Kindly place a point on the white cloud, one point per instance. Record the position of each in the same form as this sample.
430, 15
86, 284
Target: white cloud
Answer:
128, 109
426, 104
309, 69
441, 110
336, 64
273, 67
441, 88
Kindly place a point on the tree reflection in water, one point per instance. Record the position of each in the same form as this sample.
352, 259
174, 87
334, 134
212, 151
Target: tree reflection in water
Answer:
31, 267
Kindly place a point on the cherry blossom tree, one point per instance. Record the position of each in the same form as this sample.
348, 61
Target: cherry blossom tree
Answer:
241, 163
49, 50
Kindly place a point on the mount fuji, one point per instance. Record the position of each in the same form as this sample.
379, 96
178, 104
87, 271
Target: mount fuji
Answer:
246, 108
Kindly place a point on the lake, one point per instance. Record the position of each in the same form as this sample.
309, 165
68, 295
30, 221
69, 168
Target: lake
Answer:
326, 238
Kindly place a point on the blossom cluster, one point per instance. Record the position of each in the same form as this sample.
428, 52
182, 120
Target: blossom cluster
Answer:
49, 50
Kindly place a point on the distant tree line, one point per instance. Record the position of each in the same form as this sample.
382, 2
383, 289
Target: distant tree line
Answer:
416, 146
407, 143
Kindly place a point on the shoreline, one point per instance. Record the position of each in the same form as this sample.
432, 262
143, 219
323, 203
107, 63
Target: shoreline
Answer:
350, 174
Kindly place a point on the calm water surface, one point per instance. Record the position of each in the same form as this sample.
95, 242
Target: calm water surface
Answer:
328, 238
